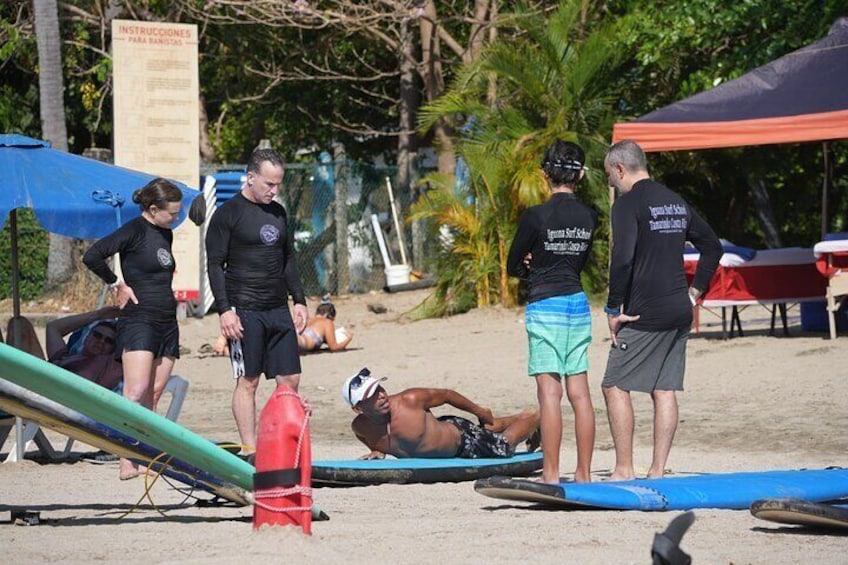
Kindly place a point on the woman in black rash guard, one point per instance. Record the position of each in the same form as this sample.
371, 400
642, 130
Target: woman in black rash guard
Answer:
148, 335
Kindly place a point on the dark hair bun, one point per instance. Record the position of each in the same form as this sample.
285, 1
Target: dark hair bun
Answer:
197, 211
136, 197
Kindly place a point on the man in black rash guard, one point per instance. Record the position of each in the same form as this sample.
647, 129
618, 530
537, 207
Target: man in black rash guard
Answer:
557, 237
650, 225
252, 271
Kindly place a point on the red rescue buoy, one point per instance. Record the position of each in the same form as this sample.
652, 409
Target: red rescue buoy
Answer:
282, 484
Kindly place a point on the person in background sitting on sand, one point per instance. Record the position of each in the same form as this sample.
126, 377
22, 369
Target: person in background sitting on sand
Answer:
93, 355
402, 425
321, 329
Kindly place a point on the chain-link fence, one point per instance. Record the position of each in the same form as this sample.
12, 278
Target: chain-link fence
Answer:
329, 199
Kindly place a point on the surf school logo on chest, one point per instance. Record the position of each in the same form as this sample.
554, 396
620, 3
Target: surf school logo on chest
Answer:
164, 257
269, 234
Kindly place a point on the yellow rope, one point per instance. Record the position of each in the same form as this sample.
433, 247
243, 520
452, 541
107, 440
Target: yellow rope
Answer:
148, 483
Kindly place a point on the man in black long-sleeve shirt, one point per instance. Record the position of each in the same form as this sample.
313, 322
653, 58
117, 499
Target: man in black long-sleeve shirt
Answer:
650, 225
252, 271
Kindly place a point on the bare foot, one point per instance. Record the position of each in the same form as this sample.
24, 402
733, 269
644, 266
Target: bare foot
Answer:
128, 470
128, 475
582, 477
621, 477
652, 474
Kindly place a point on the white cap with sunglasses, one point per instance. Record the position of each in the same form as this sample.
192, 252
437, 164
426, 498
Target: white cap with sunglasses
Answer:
360, 386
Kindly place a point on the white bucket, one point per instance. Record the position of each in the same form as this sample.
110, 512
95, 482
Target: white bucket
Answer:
397, 274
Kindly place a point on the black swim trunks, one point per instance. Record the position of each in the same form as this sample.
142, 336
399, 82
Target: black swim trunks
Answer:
477, 442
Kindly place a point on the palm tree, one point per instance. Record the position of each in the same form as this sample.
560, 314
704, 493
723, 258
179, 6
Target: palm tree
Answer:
551, 79
53, 128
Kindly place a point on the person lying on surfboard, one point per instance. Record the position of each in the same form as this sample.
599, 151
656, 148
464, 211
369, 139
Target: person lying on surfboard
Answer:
402, 425
93, 356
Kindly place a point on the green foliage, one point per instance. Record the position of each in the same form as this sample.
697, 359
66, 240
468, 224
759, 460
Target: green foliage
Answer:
18, 87
245, 104
33, 246
552, 80
16, 110
683, 48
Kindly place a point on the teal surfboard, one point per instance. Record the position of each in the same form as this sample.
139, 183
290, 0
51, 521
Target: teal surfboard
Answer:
719, 490
26, 404
137, 422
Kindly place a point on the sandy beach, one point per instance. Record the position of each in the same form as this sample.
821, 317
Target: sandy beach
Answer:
751, 403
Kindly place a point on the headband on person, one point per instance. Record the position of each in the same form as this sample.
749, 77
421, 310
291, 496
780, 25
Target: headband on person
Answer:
570, 164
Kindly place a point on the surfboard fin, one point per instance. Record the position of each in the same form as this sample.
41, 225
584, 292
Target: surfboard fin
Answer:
666, 549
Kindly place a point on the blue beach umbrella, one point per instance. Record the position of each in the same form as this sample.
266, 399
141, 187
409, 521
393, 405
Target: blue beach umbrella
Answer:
69, 194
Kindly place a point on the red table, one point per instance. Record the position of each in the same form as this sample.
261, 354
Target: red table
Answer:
773, 277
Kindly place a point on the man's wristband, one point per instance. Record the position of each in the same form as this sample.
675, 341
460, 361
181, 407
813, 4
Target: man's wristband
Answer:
612, 311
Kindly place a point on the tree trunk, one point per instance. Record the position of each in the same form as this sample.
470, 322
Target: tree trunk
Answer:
60, 264
492, 95
407, 141
434, 84
765, 213
341, 183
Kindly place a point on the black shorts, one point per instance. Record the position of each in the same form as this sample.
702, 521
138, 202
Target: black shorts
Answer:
477, 442
160, 338
269, 343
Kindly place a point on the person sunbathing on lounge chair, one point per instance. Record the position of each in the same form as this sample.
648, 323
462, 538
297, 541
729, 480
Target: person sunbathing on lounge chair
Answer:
92, 356
402, 425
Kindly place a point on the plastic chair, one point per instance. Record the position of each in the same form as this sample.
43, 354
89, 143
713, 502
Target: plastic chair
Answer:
177, 387
31, 433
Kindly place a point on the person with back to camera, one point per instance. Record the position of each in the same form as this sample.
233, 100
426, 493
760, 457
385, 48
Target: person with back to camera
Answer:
252, 272
93, 356
148, 334
322, 329
555, 238
402, 425
649, 308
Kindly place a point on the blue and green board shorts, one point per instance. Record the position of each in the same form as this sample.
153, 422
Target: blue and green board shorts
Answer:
559, 330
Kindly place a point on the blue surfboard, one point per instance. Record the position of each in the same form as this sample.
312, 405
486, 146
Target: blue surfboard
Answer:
735, 491
358, 472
